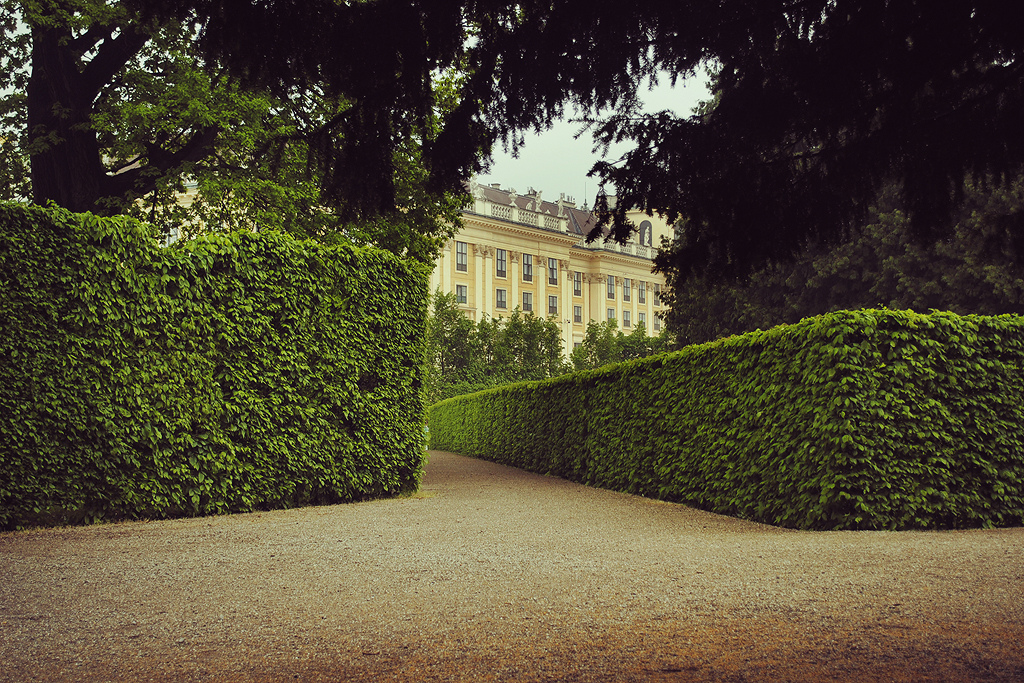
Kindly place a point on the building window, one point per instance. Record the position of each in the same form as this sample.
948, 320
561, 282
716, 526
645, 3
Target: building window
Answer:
577, 314
553, 305
527, 267
611, 314
577, 284
500, 300
625, 318
657, 323
501, 262
577, 345
527, 301
611, 286
461, 256
641, 291
552, 271
657, 295
460, 293
627, 289
641, 319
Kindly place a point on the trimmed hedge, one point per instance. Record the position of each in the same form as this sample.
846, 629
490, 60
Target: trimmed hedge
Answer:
232, 373
852, 420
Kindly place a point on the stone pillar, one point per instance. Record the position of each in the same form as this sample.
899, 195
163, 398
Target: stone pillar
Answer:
588, 297
435, 274
541, 307
447, 266
649, 308
515, 273
487, 296
478, 281
565, 305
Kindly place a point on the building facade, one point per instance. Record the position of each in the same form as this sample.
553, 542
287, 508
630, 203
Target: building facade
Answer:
519, 250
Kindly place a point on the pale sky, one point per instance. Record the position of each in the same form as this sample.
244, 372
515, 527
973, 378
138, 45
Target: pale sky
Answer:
553, 162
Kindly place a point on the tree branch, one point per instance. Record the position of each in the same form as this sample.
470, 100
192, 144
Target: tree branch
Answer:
142, 179
90, 38
111, 57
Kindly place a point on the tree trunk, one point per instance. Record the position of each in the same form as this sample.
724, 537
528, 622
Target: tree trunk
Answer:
65, 157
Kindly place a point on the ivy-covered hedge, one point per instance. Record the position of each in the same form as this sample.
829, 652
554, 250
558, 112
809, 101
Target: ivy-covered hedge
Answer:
232, 373
851, 420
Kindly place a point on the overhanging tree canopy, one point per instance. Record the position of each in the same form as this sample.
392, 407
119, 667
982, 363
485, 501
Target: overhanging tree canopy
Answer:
120, 100
817, 104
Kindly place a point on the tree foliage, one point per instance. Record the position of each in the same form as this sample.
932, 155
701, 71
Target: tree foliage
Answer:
463, 356
976, 270
117, 105
14, 169
605, 344
816, 106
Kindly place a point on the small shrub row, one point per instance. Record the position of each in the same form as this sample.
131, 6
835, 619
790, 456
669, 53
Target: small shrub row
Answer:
870, 419
231, 373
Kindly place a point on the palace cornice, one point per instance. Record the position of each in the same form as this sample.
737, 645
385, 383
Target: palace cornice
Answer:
578, 251
520, 229
613, 256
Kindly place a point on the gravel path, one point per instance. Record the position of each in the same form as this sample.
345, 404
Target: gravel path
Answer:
492, 573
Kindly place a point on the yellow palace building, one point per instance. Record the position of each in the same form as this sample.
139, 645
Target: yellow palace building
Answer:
520, 250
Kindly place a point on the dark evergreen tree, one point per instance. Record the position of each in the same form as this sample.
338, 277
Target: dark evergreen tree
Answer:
977, 269
817, 104
354, 86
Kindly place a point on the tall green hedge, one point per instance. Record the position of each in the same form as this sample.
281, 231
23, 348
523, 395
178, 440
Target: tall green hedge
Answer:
851, 420
232, 373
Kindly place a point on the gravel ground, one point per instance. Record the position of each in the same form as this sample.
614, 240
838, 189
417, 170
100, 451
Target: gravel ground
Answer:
491, 573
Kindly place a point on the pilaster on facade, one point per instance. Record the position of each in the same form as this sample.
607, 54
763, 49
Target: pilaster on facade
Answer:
540, 277
435, 274
483, 280
514, 274
565, 305
489, 276
447, 266
590, 308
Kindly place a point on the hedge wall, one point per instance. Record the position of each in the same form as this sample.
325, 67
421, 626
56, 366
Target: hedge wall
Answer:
852, 420
231, 373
